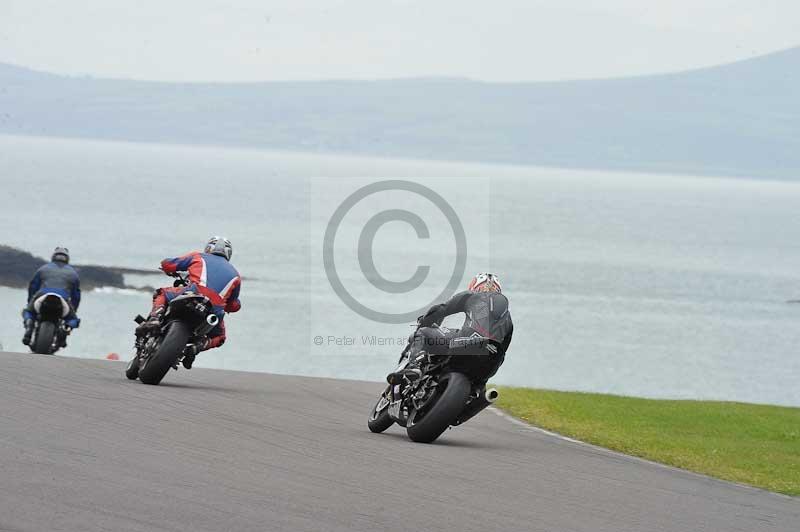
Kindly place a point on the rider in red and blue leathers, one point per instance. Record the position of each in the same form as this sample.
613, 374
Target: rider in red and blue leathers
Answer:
211, 274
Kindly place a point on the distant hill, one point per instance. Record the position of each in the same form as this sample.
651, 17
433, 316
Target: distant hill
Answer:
740, 119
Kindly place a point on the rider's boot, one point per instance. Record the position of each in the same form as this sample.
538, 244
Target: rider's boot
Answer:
26, 338
411, 372
187, 361
62, 337
191, 350
152, 323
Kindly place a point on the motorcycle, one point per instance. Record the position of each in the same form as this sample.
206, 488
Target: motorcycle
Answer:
50, 332
188, 317
429, 405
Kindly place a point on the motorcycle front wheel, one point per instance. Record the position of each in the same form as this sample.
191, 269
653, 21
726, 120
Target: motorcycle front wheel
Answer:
379, 419
132, 369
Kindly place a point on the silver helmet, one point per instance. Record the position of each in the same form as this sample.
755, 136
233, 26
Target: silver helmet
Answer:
219, 245
60, 254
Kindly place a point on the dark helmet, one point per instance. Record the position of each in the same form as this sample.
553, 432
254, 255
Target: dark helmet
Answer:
219, 245
60, 254
485, 282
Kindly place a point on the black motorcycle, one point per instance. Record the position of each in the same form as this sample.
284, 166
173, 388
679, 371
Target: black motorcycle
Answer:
49, 330
188, 317
427, 406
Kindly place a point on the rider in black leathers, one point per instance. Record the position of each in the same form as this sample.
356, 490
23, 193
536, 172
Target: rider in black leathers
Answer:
479, 347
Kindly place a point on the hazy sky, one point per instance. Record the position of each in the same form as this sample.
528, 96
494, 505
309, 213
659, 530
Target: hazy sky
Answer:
314, 39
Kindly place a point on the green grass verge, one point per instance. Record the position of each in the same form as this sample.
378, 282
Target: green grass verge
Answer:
752, 444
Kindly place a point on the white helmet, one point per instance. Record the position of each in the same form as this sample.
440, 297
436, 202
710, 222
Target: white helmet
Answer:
485, 282
219, 245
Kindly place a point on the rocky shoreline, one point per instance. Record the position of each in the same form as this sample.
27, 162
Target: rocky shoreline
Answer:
18, 266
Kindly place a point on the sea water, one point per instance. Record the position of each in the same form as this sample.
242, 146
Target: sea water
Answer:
638, 284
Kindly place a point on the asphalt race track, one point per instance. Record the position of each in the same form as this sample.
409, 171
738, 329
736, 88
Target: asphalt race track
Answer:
83, 449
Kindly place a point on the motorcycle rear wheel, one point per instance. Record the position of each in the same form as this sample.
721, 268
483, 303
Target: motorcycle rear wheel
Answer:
157, 365
427, 425
43, 341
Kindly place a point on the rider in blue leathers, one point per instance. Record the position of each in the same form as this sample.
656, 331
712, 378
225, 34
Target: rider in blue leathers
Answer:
59, 278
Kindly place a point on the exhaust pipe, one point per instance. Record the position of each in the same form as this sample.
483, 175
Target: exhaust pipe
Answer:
212, 320
491, 395
476, 405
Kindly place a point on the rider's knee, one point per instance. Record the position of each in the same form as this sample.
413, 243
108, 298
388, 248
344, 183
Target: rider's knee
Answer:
431, 340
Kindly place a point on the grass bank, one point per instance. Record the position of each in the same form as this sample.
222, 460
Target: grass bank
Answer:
752, 444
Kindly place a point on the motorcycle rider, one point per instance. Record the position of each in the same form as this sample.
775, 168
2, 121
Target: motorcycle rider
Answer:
210, 274
478, 347
59, 278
